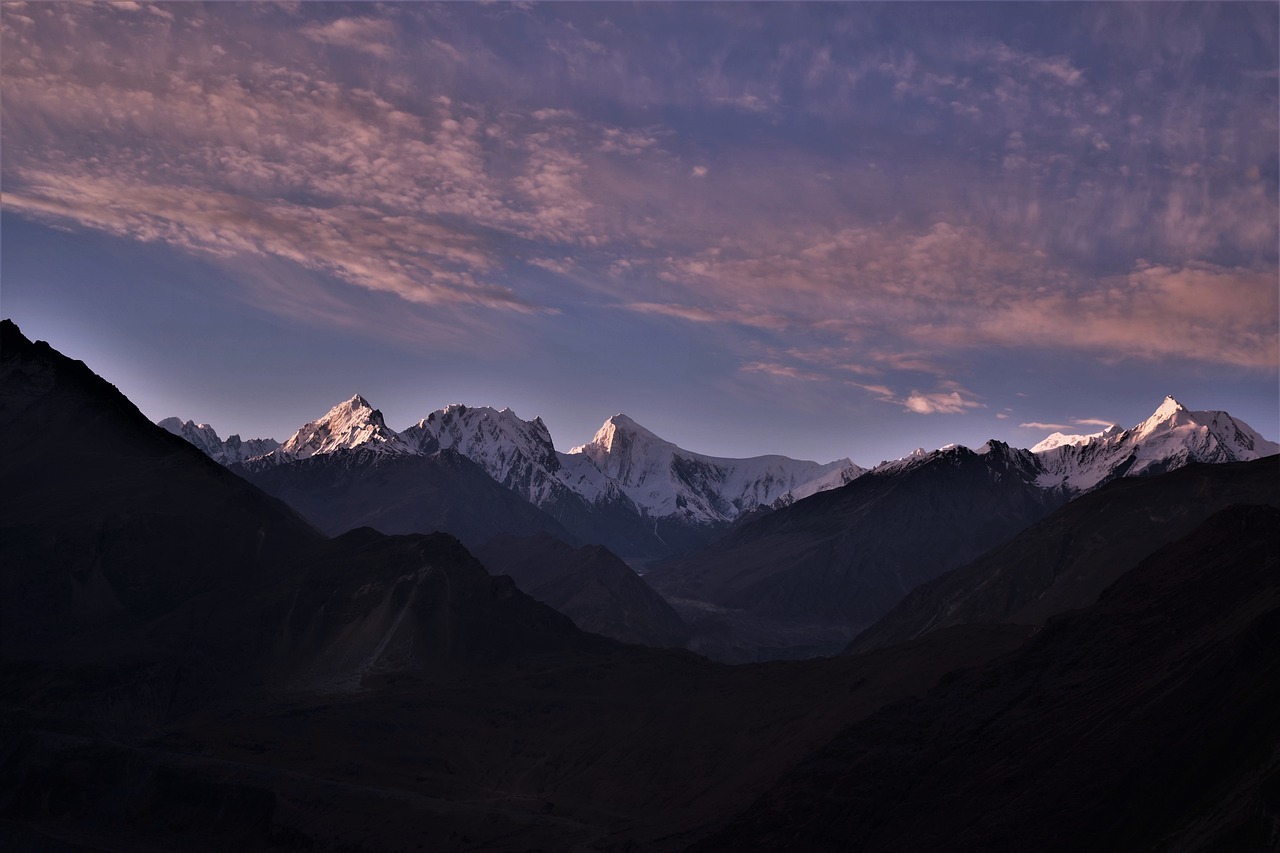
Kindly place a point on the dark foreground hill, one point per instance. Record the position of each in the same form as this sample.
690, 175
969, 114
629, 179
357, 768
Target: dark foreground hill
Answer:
1144, 722
804, 580
591, 585
1066, 560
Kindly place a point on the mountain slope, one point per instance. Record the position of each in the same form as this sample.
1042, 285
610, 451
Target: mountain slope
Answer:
590, 585
399, 493
1146, 721
520, 455
1066, 560
1172, 437
838, 560
107, 518
670, 482
350, 425
229, 452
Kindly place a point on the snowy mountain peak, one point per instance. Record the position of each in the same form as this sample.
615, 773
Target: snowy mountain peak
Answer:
1059, 439
206, 438
518, 454
1172, 437
615, 435
1170, 413
669, 481
351, 424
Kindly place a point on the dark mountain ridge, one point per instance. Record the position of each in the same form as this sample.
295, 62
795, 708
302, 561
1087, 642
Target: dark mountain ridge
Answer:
1143, 722
836, 561
1064, 561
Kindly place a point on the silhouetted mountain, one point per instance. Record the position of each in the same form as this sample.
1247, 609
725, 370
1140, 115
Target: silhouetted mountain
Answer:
107, 519
402, 493
1146, 721
811, 575
590, 585
1066, 560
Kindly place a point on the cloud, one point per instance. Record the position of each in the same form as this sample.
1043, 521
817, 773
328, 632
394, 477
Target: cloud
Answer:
1038, 425
938, 403
700, 315
1092, 422
368, 35
781, 371
439, 176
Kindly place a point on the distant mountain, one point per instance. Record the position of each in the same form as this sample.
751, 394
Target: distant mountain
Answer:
1172, 437
230, 452
397, 493
1146, 721
1066, 560
350, 425
836, 562
670, 482
629, 490
833, 563
590, 585
520, 455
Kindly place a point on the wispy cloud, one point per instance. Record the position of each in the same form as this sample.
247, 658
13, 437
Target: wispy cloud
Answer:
437, 154
368, 35
952, 403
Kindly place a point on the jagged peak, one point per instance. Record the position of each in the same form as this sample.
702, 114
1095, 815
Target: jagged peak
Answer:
1168, 408
616, 429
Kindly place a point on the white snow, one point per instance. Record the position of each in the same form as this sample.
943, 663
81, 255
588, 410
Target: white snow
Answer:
350, 425
666, 480
1172, 437
206, 438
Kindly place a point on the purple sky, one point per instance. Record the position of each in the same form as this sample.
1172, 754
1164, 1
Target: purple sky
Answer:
821, 230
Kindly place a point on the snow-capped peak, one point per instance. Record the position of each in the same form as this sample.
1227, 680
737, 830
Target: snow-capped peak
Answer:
1169, 414
206, 438
515, 452
349, 425
666, 480
1170, 438
1059, 439
617, 432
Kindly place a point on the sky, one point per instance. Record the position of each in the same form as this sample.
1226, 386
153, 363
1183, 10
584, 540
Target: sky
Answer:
822, 230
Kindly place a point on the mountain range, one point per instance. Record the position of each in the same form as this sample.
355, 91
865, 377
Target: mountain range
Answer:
763, 558
627, 489
188, 664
